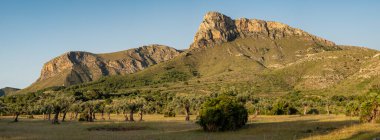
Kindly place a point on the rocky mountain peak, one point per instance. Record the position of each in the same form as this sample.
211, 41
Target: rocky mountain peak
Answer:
217, 28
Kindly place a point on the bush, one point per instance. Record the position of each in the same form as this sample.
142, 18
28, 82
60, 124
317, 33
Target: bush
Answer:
313, 111
370, 108
284, 108
174, 76
170, 112
222, 113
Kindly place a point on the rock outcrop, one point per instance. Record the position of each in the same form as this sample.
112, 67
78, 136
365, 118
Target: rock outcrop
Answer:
79, 67
217, 28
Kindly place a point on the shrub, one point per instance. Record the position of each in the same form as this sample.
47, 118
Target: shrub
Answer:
174, 76
370, 108
353, 108
222, 113
170, 112
313, 111
284, 108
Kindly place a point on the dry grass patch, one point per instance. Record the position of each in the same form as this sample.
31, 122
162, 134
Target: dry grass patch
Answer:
324, 127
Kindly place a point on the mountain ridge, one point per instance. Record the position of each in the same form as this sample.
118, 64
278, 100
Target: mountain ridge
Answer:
217, 28
77, 67
246, 53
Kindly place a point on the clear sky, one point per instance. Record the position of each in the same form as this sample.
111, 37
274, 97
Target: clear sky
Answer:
35, 31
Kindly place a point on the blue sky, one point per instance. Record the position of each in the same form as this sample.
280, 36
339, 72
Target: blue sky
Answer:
35, 31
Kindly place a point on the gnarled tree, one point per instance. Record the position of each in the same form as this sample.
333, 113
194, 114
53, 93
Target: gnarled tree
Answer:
60, 103
187, 102
16, 104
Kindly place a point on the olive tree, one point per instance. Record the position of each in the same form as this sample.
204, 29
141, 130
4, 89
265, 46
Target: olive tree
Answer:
89, 110
45, 107
16, 104
131, 104
60, 103
121, 105
327, 103
109, 108
184, 101
188, 102
75, 108
370, 108
135, 104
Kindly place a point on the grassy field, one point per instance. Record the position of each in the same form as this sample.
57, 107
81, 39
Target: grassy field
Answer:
319, 127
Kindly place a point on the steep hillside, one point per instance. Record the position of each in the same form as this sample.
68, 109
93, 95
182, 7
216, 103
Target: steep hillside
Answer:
79, 67
261, 56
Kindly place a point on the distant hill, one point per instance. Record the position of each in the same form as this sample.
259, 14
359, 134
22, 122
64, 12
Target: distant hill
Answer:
80, 67
264, 57
8, 90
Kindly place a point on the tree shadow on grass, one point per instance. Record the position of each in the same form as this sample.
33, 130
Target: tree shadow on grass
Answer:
287, 130
294, 129
365, 135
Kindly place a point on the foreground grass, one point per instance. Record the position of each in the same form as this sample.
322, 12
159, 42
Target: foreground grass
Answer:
157, 127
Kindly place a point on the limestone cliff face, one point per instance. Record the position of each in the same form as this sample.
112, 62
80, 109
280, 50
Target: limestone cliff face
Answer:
79, 67
217, 28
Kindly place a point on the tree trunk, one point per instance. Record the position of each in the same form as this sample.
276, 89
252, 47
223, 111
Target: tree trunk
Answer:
90, 117
126, 116
76, 115
374, 115
131, 116
93, 116
305, 110
55, 119
64, 116
187, 113
109, 115
141, 116
43, 115
256, 113
71, 115
103, 115
328, 110
16, 118
49, 116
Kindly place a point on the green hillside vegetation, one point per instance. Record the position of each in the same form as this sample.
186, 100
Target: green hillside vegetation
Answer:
242, 65
274, 77
288, 84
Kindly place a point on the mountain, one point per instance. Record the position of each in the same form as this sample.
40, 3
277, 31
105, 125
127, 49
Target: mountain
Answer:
264, 57
7, 91
79, 67
217, 28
